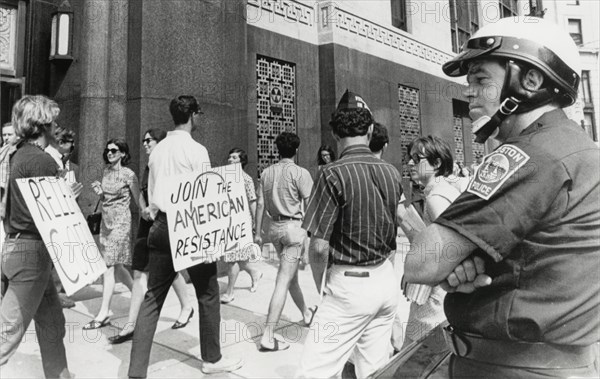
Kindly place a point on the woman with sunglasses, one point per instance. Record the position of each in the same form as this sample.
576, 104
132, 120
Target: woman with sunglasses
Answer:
119, 185
140, 257
431, 167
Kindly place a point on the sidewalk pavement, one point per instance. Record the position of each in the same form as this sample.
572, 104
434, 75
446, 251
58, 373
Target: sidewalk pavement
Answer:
175, 353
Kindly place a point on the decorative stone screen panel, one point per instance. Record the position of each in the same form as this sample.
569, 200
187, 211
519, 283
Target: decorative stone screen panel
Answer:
477, 148
275, 106
8, 42
410, 120
459, 146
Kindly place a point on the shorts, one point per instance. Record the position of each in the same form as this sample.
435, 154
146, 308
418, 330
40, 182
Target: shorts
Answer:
288, 235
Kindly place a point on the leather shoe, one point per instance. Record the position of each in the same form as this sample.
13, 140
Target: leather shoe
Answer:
179, 325
223, 365
115, 340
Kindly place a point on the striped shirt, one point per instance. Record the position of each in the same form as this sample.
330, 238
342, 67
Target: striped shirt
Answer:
353, 206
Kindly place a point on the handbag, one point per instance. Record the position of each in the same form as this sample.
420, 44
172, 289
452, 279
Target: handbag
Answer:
94, 220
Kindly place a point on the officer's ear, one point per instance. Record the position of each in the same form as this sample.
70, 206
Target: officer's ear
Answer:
532, 80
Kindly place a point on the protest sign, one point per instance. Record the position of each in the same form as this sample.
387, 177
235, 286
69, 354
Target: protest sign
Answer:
208, 215
63, 228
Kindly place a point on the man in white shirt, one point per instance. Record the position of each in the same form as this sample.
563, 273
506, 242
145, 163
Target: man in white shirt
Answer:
178, 153
60, 149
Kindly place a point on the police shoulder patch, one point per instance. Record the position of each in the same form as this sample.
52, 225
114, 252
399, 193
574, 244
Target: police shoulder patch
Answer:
496, 169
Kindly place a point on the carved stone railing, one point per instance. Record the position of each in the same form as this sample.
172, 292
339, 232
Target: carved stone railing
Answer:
329, 22
333, 16
290, 10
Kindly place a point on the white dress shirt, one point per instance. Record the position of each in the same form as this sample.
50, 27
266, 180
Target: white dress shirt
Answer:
65, 167
177, 154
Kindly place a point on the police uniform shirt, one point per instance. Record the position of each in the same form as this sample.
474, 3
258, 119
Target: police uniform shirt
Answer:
532, 210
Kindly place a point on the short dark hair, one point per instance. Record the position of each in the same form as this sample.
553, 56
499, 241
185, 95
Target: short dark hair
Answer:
156, 133
379, 137
63, 134
434, 148
123, 147
242, 154
327, 148
287, 144
182, 108
351, 122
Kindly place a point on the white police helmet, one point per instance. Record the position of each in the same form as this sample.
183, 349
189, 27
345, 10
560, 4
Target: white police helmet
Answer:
534, 41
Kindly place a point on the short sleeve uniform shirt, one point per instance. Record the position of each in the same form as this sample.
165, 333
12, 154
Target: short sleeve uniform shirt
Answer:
532, 209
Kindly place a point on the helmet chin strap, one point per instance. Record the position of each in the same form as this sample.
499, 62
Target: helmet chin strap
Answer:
515, 99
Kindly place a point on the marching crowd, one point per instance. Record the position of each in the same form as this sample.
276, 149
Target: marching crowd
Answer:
518, 288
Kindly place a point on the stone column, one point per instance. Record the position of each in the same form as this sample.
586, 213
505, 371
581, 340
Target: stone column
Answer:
196, 48
103, 55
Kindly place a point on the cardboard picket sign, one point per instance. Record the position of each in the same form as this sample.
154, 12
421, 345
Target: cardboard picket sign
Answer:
64, 230
208, 215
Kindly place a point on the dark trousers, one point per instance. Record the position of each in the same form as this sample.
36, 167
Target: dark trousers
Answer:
30, 295
467, 368
160, 277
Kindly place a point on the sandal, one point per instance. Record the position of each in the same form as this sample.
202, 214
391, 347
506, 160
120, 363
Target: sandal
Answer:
95, 324
313, 311
276, 346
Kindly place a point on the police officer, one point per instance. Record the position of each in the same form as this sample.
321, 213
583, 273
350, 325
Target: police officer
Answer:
519, 250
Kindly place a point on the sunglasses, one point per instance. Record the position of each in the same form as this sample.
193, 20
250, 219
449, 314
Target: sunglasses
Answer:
65, 141
417, 158
112, 151
148, 140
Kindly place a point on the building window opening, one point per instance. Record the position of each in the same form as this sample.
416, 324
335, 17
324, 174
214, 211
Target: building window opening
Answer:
464, 21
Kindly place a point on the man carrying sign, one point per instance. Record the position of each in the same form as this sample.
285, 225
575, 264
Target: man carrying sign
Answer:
177, 154
26, 264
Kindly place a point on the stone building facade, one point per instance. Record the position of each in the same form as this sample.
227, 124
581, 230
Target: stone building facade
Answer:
258, 67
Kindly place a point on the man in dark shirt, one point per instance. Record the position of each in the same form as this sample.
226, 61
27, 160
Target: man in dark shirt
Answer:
353, 206
519, 250
26, 264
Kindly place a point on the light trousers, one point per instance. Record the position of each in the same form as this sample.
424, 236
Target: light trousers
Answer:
354, 319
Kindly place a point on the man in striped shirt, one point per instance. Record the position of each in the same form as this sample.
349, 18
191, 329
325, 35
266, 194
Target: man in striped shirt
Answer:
353, 206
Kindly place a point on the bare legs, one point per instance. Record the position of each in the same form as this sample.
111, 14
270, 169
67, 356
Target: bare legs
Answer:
233, 271
180, 287
140, 286
109, 286
287, 280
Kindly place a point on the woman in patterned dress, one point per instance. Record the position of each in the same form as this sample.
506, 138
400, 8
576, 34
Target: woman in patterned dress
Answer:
241, 258
119, 185
141, 255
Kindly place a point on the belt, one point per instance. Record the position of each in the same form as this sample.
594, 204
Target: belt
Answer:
24, 236
357, 274
517, 353
285, 218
